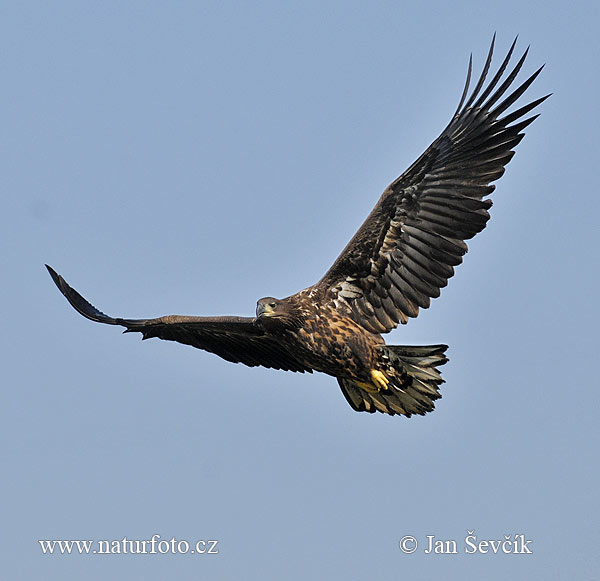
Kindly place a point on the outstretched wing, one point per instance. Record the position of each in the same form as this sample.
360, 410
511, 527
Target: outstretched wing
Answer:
407, 248
236, 339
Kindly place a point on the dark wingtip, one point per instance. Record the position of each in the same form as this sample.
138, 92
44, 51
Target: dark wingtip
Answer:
82, 306
54, 275
60, 282
466, 87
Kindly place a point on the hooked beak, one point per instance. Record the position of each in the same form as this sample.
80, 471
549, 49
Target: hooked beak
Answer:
264, 310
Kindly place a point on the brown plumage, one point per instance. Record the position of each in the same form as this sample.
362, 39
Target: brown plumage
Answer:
399, 259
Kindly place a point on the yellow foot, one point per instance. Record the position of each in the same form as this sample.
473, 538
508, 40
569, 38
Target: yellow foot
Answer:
379, 379
378, 382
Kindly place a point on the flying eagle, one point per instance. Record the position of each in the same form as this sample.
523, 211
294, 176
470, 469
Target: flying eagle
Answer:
399, 259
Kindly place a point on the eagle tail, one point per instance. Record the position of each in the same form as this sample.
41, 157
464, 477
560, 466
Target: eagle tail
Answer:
414, 381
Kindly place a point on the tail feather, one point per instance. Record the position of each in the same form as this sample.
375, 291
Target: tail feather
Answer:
414, 382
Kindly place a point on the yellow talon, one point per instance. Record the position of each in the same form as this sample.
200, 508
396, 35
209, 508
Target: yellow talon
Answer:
379, 379
379, 382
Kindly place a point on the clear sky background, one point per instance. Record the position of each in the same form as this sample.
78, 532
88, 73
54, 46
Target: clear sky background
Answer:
191, 157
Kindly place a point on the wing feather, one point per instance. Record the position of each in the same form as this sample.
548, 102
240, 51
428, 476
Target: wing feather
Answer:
235, 339
409, 245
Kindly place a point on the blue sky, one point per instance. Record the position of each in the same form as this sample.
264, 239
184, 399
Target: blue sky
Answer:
192, 157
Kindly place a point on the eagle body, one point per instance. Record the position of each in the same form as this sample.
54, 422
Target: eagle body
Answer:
321, 337
399, 259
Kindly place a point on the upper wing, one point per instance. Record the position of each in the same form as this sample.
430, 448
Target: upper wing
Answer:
236, 339
407, 248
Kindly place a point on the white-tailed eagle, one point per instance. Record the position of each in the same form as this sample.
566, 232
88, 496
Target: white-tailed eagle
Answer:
398, 260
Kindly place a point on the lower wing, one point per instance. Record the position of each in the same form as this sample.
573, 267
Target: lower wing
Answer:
236, 339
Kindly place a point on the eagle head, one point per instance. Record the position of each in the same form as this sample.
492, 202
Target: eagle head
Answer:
273, 313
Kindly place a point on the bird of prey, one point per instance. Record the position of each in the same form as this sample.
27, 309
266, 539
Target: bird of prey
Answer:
400, 258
